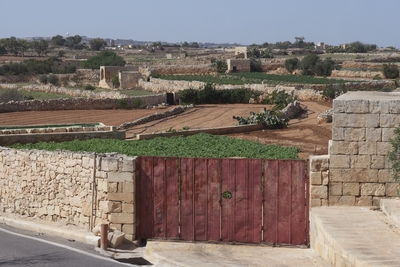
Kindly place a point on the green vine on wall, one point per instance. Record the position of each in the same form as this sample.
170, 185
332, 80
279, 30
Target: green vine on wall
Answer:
394, 155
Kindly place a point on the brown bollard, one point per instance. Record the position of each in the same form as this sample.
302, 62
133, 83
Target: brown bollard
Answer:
104, 236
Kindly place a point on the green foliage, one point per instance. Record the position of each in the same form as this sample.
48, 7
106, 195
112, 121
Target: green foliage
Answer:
394, 155
123, 103
255, 65
209, 95
199, 145
97, 44
255, 52
268, 118
34, 66
292, 64
137, 103
391, 71
104, 58
13, 69
170, 130
43, 79
220, 66
280, 99
354, 47
313, 65
53, 79
11, 95
115, 81
58, 40
377, 77
330, 93
89, 87
251, 78
40, 47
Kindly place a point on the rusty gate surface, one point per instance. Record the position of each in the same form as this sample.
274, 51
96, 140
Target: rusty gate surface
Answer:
233, 200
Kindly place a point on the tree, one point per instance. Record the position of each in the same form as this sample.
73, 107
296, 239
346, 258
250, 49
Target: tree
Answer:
220, 65
58, 40
40, 47
325, 67
185, 44
73, 42
391, 71
104, 58
11, 95
23, 45
307, 64
291, 64
11, 44
97, 44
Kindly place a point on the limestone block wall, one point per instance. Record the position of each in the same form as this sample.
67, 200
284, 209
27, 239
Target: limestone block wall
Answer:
58, 186
359, 170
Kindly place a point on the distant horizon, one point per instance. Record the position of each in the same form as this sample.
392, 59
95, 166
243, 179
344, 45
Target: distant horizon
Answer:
174, 21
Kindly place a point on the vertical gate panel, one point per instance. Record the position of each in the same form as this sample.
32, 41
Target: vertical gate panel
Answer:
171, 215
187, 199
298, 203
213, 205
271, 172
200, 199
242, 214
228, 207
284, 202
145, 198
159, 192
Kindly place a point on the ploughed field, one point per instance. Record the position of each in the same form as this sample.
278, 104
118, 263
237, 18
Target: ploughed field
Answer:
303, 132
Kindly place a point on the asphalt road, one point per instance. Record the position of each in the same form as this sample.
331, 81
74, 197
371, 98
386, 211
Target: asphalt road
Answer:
23, 248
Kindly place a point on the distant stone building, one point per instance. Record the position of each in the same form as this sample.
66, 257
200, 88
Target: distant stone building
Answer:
128, 76
238, 65
241, 52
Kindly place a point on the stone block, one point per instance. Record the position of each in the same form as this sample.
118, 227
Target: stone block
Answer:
128, 187
319, 163
129, 229
364, 175
382, 148
120, 177
376, 201
125, 197
373, 189
342, 200
354, 134
356, 120
117, 238
319, 191
380, 107
388, 164
315, 178
109, 164
339, 161
128, 208
112, 187
387, 134
339, 106
325, 177
364, 201
394, 107
367, 148
351, 189
389, 120
377, 162
392, 189
360, 161
340, 175
122, 218
102, 185
343, 148
338, 133
129, 164
335, 189
359, 106
315, 202
385, 176
373, 134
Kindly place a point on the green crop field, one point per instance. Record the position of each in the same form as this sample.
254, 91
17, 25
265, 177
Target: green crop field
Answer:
199, 145
253, 78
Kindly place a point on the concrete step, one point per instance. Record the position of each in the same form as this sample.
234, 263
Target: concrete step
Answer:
355, 236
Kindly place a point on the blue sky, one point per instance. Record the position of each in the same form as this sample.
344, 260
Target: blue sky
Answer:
217, 21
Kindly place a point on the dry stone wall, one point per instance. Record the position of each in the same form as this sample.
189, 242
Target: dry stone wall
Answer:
57, 186
359, 172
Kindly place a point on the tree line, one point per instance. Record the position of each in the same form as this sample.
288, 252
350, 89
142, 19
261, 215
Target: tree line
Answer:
19, 47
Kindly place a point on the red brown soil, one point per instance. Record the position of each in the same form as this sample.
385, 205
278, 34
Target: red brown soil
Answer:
303, 132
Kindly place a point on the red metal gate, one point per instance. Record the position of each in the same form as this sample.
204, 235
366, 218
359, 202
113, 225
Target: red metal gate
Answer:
234, 200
